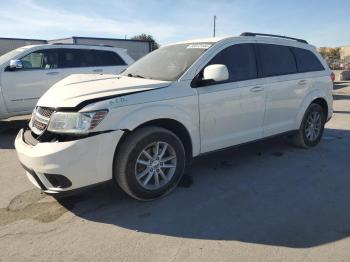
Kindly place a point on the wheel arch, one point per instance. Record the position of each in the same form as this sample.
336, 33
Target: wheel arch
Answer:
172, 125
323, 103
318, 97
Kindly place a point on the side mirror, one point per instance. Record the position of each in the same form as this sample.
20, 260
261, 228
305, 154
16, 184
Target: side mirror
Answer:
216, 73
15, 64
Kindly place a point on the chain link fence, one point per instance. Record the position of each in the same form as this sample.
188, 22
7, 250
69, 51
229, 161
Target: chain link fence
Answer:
339, 64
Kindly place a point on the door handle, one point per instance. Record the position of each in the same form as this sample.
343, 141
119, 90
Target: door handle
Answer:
257, 89
97, 70
52, 73
302, 82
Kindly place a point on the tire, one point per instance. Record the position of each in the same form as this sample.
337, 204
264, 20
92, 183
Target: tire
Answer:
303, 137
135, 162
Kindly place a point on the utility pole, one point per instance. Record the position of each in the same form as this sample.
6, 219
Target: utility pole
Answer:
214, 24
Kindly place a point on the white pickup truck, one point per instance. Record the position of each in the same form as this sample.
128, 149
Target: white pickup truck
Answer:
27, 72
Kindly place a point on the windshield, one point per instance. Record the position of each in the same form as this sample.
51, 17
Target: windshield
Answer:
10, 55
167, 63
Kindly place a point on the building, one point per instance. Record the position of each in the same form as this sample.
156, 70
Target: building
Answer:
135, 48
8, 44
345, 52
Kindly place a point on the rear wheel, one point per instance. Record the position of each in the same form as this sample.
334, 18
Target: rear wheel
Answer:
311, 128
149, 163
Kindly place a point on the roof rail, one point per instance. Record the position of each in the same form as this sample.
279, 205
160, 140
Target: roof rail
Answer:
277, 36
103, 45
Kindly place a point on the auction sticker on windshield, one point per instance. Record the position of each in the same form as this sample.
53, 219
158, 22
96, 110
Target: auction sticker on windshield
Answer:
199, 46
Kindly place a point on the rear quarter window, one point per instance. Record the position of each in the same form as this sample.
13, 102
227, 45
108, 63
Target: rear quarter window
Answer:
307, 61
276, 60
108, 58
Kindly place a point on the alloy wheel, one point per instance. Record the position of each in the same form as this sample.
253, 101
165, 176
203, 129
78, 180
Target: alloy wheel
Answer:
155, 165
313, 126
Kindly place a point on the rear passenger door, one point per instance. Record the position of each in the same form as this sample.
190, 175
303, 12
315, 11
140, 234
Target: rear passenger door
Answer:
232, 112
77, 61
90, 61
284, 87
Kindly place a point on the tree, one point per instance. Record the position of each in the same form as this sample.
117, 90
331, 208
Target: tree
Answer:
334, 53
323, 51
330, 53
146, 37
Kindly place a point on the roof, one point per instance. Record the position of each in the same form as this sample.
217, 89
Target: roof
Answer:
257, 37
101, 38
23, 39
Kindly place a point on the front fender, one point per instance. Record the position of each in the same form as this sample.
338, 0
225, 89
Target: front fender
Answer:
130, 117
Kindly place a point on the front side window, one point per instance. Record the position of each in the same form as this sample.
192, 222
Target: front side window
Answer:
307, 60
276, 60
167, 63
239, 60
42, 59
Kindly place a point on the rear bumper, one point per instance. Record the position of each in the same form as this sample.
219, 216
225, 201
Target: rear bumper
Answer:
57, 167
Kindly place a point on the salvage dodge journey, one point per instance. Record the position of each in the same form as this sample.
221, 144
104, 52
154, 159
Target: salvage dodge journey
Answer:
141, 128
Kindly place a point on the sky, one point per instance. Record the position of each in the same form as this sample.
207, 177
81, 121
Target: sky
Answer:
322, 23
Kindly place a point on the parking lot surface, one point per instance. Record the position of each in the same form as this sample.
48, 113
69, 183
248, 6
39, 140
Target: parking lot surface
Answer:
266, 201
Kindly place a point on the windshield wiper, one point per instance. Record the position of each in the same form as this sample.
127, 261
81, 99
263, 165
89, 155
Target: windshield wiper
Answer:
138, 76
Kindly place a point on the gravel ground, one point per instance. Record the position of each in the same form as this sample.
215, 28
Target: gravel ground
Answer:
266, 201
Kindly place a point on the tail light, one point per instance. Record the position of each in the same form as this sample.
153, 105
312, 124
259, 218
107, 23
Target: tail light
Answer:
333, 77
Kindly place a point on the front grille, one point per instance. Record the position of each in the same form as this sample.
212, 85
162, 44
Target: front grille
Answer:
40, 119
38, 125
45, 111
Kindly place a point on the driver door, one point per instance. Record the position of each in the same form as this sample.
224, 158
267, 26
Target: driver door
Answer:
23, 87
232, 112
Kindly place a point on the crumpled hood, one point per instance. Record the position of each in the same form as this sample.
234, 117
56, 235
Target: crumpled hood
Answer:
78, 88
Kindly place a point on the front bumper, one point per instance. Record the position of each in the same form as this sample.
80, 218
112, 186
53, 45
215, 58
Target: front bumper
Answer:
57, 167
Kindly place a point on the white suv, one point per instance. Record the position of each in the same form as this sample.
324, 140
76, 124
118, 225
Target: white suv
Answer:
27, 72
143, 127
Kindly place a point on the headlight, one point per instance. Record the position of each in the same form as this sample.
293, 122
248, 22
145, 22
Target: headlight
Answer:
75, 123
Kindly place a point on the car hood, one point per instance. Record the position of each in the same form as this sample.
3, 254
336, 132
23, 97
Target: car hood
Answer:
78, 88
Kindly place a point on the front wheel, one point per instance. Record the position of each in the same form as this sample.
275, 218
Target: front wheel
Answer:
311, 128
149, 163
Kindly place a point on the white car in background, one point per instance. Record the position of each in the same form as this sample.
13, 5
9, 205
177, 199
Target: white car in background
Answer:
143, 127
27, 72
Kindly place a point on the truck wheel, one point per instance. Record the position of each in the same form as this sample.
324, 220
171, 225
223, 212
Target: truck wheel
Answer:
311, 128
149, 163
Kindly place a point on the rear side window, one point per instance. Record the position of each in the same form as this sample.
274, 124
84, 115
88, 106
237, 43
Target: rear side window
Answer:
87, 58
307, 60
108, 58
70, 58
276, 60
240, 61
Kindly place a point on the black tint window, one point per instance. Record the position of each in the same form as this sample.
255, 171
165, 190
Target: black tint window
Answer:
307, 61
42, 59
70, 58
87, 58
240, 61
108, 58
276, 60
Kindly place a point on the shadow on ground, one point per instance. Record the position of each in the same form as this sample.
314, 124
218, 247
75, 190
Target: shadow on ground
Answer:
267, 193
8, 132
